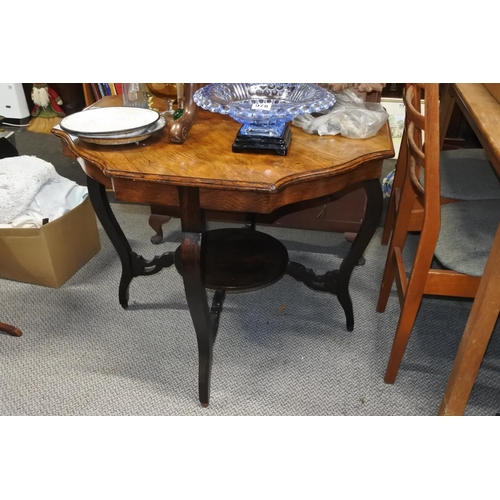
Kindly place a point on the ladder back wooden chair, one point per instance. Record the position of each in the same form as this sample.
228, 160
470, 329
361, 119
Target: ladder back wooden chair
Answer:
456, 236
466, 174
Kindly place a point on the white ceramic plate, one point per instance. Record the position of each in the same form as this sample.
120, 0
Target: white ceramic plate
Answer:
124, 135
106, 121
128, 138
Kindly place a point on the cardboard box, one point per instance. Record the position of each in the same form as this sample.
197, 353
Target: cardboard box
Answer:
51, 254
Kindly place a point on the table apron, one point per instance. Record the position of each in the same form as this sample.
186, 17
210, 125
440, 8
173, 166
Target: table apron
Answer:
235, 200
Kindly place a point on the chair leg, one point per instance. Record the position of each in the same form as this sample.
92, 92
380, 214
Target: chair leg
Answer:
10, 330
397, 184
389, 218
397, 241
410, 306
403, 331
387, 281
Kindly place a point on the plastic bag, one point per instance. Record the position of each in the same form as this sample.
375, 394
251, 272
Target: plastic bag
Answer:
350, 117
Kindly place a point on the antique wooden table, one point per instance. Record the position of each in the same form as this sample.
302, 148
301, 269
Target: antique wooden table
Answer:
204, 174
482, 110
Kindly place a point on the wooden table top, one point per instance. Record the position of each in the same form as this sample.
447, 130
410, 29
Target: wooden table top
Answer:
482, 111
206, 157
206, 161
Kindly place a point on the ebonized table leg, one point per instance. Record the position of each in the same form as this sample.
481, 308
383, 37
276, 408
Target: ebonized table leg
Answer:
337, 281
100, 202
366, 231
205, 321
132, 264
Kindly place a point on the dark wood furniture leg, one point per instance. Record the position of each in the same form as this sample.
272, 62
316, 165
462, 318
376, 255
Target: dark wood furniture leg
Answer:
205, 323
132, 264
100, 202
156, 222
10, 330
337, 281
374, 204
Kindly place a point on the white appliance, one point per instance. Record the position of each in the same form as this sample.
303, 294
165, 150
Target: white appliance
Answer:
13, 105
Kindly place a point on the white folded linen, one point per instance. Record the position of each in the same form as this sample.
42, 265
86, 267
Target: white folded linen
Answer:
31, 190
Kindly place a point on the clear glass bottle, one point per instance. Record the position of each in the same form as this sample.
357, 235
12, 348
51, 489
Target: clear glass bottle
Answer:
134, 94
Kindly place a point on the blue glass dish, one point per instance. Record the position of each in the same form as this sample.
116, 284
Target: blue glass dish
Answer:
263, 109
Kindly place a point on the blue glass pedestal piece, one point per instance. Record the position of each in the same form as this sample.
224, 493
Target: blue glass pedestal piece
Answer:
263, 109
248, 143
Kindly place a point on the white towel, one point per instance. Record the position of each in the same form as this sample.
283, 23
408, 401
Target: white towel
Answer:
21, 177
31, 190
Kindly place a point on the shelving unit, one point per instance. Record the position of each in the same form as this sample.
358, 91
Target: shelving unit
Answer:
88, 94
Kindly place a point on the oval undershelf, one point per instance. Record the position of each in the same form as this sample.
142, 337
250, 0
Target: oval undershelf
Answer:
237, 259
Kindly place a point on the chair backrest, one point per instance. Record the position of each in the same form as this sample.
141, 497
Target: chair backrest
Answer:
423, 152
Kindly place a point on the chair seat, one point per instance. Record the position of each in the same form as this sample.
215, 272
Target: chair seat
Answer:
467, 174
478, 220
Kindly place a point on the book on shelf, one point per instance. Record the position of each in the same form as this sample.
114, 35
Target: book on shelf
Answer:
101, 90
95, 91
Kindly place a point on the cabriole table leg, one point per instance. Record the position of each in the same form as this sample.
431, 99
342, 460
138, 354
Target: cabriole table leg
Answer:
132, 264
100, 202
192, 274
366, 231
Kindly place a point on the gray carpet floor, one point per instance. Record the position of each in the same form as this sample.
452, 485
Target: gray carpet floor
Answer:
282, 350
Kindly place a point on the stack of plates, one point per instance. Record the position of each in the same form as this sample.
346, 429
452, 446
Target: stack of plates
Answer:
114, 125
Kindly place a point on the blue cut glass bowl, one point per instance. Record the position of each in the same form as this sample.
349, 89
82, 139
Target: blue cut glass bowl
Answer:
263, 109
